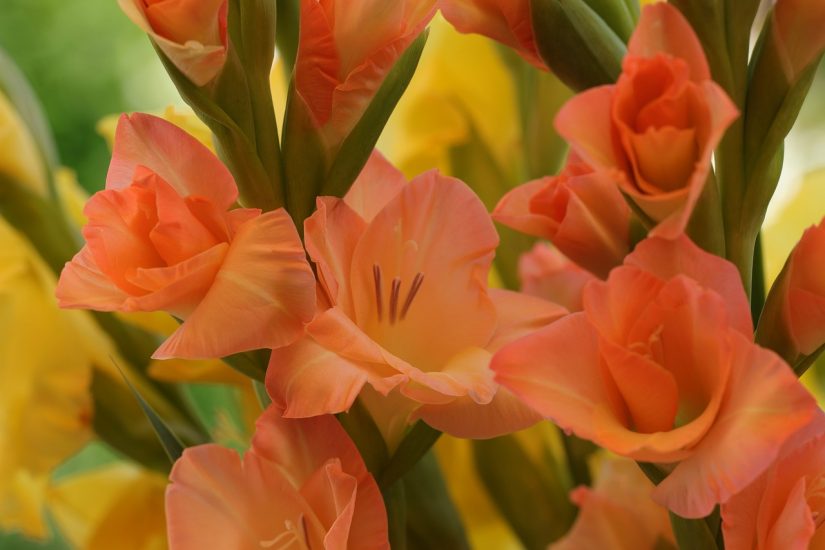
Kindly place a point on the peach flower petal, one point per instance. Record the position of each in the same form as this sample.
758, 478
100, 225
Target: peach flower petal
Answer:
174, 155
378, 183
514, 211
83, 286
261, 296
664, 29
768, 404
546, 273
669, 258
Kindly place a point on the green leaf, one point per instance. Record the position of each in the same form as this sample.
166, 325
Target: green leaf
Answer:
692, 534
530, 498
361, 428
359, 144
17, 89
172, 446
432, 519
565, 26
418, 441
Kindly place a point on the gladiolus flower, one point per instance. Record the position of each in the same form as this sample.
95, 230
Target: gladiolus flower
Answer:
657, 127
345, 51
546, 273
303, 483
660, 367
192, 33
507, 21
784, 507
45, 406
404, 267
160, 237
580, 211
618, 513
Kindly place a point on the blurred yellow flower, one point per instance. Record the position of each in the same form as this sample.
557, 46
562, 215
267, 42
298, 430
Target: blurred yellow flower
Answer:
783, 230
118, 506
20, 158
46, 357
462, 85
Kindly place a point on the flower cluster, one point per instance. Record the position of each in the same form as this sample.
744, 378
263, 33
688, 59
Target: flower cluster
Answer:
374, 310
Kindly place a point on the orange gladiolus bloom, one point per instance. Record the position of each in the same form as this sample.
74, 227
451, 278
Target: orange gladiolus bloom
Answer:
302, 485
657, 127
661, 367
192, 33
161, 237
404, 268
799, 30
346, 49
785, 507
507, 21
580, 211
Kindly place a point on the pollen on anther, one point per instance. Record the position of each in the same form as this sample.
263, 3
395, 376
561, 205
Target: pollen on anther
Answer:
418, 280
394, 295
376, 274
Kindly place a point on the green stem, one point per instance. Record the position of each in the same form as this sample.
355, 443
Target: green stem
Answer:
396, 503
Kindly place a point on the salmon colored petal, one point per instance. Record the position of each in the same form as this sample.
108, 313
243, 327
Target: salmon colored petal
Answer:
304, 446
617, 304
468, 419
765, 406
177, 289
505, 21
669, 258
336, 332
594, 231
305, 379
513, 210
318, 65
649, 390
217, 500
178, 234
806, 311
519, 314
438, 232
261, 296
185, 20
331, 234
466, 374
585, 122
556, 371
178, 158
332, 493
83, 286
795, 526
721, 114
378, 183
546, 273
663, 29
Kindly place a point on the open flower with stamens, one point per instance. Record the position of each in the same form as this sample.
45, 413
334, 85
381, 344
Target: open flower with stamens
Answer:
302, 485
404, 269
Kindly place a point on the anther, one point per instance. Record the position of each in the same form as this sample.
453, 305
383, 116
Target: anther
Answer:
394, 294
376, 274
418, 280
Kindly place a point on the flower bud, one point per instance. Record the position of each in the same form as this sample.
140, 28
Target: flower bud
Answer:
192, 33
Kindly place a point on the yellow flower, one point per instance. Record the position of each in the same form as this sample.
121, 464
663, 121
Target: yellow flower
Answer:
461, 86
46, 357
20, 158
118, 506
